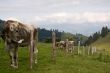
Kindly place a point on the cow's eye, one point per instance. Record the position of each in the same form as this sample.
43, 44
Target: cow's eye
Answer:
11, 28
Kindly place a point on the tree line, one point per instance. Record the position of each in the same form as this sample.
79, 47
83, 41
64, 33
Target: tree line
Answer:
46, 35
92, 38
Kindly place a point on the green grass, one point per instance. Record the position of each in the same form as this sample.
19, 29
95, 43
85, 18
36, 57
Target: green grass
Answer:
69, 63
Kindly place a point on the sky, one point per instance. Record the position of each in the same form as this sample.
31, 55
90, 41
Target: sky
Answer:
74, 16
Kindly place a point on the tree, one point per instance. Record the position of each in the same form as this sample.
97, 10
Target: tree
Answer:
96, 36
104, 31
2, 22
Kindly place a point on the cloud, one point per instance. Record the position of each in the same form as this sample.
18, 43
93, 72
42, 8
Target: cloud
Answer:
13, 18
97, 17
63, 17
68, 15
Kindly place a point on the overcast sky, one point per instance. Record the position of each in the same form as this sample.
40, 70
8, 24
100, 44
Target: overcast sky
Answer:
74, 16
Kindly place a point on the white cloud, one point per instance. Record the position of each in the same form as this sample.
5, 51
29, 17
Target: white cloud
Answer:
63, 17
71, 14
13, 18
97, 17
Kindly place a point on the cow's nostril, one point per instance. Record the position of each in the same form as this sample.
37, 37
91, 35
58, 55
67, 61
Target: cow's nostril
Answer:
16, 30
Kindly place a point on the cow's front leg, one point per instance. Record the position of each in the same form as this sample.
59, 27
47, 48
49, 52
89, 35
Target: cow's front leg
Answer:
16, 58
71, 50
11, 54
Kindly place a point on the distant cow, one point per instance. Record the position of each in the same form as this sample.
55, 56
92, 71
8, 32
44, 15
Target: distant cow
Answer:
70, 46
66, 44
16, 34
61, 44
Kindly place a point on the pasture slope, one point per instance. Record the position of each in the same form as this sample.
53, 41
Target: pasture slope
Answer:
103, 43
64, 63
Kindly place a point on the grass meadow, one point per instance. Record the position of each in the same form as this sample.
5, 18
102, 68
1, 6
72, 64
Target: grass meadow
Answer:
69, 63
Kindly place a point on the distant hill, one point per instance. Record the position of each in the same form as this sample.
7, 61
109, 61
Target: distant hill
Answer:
46, 35
82, 38
103, 43
65, 35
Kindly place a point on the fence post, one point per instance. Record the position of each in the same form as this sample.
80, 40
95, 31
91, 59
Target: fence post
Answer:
73, 47
89, 50
67, 49
53, 48
83, 50
95, 50
78, 47
31, 50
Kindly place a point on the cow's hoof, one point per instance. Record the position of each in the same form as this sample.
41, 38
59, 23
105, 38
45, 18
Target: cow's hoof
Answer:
14, 66
35, 61
11, 65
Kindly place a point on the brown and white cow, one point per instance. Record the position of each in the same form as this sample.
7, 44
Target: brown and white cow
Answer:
70, 46
67, 45
16, 34
61, 44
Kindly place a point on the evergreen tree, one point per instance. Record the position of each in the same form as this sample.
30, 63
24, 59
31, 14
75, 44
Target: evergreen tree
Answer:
96, 36
104, 31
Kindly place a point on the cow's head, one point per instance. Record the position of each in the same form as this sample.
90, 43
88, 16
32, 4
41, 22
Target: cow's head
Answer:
12, 31
12, 25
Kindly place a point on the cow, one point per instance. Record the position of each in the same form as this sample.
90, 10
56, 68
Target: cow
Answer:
61, 44
67, 45
70, 46
15, 35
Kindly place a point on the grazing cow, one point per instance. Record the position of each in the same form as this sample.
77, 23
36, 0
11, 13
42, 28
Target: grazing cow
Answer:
16, 34
70, 46
61, 44
57, 44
